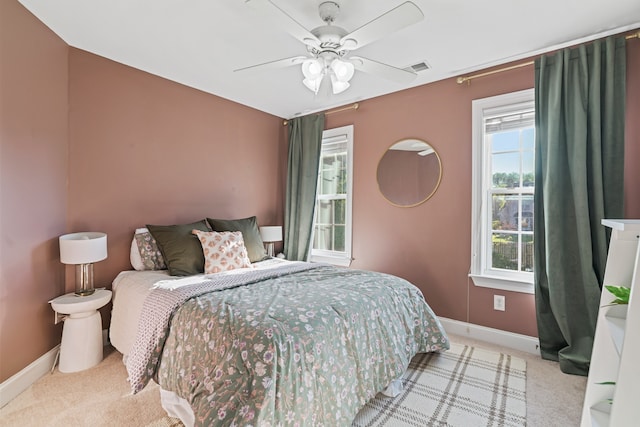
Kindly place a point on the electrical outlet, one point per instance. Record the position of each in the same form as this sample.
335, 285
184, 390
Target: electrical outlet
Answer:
499, 302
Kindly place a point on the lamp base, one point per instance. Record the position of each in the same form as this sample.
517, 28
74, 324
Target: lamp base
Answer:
84, 280
270, 248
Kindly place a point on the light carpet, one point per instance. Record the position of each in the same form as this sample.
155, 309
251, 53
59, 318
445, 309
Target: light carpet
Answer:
465, 386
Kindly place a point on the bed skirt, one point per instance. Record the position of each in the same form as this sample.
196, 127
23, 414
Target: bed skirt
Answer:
177, 407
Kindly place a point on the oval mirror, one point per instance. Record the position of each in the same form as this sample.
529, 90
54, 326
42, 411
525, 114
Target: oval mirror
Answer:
409, 173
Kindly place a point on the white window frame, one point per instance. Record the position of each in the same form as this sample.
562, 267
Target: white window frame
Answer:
342, 259
481, 273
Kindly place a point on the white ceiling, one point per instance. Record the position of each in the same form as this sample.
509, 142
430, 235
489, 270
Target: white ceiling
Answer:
200, 42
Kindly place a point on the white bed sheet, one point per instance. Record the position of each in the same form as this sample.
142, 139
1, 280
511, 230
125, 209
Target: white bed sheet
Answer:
131, 287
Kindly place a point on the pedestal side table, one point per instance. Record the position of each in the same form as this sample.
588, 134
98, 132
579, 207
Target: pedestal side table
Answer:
81, 346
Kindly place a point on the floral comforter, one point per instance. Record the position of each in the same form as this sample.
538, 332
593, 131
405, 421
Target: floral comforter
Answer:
308, 348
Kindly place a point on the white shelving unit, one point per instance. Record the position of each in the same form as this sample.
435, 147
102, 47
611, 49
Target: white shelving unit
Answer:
616, 347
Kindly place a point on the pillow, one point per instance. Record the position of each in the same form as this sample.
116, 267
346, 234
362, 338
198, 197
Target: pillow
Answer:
250, 234
145, 254
180, 249
223, 251
134, 256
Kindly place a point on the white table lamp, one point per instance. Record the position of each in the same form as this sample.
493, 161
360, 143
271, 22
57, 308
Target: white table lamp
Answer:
83, 249
271, 234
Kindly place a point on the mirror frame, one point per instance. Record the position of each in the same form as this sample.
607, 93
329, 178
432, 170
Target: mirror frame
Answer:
435, 187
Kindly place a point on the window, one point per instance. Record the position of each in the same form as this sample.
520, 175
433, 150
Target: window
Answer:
503, 189
332, 218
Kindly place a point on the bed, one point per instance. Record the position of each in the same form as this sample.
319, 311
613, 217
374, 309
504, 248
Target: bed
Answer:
271, 343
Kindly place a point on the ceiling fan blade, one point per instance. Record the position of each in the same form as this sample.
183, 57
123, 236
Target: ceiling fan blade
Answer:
376, 68
282, 19
396, 19
280, 63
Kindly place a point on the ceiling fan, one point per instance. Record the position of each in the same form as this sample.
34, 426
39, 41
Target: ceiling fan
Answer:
329, 46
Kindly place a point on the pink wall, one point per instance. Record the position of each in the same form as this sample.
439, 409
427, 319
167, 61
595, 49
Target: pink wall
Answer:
430, 244
89, 144
146, 150
33, 185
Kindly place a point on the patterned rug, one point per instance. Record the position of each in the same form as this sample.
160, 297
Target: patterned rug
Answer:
462, 387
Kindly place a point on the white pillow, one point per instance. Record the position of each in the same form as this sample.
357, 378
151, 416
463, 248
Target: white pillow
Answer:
134, 255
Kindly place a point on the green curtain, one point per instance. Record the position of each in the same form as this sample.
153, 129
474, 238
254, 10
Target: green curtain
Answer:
305, 142
580, 110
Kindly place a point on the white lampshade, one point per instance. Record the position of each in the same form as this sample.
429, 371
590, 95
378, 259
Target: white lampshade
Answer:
313, 85
271, 233
342, 70
338, 86
83, 248
312, 68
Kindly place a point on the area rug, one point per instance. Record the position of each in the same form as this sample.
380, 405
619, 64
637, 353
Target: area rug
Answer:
463, 387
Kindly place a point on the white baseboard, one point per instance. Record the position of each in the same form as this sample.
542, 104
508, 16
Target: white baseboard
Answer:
520, 342
21, 381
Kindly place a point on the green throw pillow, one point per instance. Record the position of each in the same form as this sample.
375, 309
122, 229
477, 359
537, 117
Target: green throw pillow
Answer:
181, 250
250, 234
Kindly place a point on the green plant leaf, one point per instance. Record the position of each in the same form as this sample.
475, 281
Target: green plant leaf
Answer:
621, 293
607, 383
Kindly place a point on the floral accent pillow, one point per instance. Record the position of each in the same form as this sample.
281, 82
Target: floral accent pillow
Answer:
148, 254
223, 250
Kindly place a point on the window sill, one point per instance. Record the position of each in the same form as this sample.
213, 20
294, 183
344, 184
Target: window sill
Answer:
495, 282
334, 260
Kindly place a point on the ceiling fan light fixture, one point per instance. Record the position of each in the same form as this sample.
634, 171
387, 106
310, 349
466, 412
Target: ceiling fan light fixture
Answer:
330, 45
342, 70
338, 86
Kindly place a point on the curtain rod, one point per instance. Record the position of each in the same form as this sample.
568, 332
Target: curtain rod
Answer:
463, 79
337, 110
